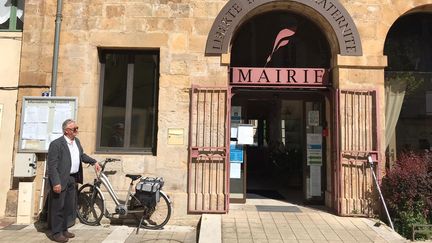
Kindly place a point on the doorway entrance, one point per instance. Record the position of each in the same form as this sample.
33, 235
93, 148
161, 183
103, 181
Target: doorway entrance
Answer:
286, 157
279, 74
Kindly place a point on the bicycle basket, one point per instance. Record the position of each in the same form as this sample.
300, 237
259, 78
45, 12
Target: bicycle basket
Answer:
147, 190
150, 184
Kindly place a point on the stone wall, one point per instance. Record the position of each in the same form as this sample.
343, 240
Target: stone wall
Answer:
178, 28
10, 47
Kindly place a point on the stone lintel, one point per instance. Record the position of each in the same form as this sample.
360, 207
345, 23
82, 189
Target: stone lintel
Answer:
360, 62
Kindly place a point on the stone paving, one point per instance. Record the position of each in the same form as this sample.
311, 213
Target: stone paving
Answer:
259, 220
275, 221
106, 233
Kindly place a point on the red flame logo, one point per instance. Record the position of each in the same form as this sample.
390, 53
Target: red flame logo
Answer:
281, 40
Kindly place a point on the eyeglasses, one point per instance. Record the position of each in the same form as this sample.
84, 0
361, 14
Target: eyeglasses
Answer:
75, 129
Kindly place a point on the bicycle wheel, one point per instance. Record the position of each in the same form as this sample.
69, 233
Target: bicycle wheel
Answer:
90, 208
158, 216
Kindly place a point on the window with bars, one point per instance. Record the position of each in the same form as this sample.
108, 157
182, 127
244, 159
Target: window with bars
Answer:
11, 15
128, 101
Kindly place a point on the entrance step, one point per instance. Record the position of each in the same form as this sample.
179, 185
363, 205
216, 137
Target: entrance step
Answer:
210, 229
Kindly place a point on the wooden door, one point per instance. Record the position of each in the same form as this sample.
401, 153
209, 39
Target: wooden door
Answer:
208, 150
358, 137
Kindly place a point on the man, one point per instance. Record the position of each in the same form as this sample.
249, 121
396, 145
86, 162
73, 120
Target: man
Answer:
65, 155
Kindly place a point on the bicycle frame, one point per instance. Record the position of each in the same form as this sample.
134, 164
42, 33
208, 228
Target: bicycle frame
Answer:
141, 204
102, 178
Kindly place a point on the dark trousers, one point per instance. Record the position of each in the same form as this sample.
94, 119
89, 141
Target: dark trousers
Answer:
62, 207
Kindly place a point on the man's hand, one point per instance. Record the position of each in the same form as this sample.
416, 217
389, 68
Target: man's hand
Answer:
97, 166
57, 188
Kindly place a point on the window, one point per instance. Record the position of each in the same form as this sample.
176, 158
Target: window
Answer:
128, 101
11, 15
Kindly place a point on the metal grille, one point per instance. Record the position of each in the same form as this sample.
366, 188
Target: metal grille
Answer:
208, 150
358, 138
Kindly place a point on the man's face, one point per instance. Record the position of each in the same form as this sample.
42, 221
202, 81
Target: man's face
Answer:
71, 130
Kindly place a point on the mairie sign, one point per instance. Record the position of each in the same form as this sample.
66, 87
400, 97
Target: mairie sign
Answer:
279, 76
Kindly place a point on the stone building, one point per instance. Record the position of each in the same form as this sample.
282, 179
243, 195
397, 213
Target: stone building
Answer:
229, 99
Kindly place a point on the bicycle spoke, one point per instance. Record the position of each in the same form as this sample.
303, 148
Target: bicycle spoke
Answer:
157, 217
90, 205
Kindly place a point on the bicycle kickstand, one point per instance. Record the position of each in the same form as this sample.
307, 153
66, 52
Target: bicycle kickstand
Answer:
140, 223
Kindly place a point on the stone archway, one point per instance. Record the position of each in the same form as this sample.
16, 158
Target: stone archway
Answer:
236, 11
408, 84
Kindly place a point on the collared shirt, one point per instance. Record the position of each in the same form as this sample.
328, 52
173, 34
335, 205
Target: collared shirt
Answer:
74, 152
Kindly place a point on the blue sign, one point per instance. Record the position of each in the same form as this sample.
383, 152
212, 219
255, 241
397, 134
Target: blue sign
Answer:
236, 153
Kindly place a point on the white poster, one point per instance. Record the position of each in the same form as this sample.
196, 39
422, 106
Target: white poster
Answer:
29, 131
235, 169
313, 118
31, 114
61, 113
42, 131
233, 132
245, 134
43, 113
315, 180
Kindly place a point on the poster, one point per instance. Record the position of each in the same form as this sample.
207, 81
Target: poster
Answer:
61, 113
236, 153
245, 134
314, 148
315, 180
234, 132
235, 169
313, 118
42, 119
235, 115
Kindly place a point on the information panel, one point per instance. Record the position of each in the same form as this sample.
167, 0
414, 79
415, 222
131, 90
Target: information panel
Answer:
41, 121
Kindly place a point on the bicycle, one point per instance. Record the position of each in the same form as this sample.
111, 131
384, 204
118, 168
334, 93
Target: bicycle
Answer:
155, 207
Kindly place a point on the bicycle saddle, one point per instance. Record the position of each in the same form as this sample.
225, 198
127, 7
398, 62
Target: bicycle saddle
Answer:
133, 177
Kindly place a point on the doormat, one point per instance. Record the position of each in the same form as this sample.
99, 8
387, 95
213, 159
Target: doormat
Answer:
267, 208
254, 194
14, 227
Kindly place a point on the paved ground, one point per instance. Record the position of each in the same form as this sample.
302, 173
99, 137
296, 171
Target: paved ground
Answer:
259, 220
177, 231
275, 221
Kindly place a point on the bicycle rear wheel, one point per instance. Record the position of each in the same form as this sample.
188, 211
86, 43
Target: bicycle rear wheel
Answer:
91, 207
158, 216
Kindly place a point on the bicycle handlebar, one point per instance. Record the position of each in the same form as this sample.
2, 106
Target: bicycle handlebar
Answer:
104, 162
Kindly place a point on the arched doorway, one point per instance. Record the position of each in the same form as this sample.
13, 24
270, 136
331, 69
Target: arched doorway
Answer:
280, 85
408, 80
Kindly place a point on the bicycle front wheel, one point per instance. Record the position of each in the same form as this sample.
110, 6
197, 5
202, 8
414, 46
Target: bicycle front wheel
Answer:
158, 216
91, 207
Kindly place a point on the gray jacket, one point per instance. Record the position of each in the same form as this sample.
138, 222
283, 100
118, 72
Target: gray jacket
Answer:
59, 162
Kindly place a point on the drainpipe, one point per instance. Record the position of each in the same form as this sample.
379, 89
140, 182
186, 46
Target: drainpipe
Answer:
53, 85
56, 47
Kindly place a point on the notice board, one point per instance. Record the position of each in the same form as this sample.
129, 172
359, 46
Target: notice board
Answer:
41, 121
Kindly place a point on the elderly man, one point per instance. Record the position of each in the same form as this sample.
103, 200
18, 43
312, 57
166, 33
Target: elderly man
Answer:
65, 155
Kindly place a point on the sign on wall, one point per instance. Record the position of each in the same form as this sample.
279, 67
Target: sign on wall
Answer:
279, 76
41, 121
236, 153
314, 149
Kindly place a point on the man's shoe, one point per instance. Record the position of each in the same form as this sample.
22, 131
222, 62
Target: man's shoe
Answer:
60, 238
68, 234
151, 222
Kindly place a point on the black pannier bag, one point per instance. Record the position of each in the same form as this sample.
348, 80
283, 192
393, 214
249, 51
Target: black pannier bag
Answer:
148, 189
